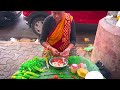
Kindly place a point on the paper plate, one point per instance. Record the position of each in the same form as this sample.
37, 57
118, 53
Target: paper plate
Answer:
94, 75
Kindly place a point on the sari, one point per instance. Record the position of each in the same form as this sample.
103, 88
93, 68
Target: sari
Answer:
59, 38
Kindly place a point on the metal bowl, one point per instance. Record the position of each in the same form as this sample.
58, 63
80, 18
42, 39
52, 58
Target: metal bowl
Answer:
60, 58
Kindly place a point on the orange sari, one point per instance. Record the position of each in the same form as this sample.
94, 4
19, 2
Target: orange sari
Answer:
60, 37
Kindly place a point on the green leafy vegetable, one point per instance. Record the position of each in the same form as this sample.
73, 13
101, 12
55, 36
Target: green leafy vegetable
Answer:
89, 48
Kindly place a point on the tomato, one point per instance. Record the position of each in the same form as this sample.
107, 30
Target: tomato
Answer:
55, 76
58, 60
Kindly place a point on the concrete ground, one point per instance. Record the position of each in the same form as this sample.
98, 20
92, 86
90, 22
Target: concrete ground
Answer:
12, 54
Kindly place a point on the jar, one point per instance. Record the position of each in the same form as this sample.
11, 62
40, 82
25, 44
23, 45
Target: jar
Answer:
74, 68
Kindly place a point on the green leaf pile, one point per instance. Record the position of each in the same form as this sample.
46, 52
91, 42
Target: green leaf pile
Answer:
33, 65
89, 48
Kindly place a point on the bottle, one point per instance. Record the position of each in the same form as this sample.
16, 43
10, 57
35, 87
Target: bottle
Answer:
74, 68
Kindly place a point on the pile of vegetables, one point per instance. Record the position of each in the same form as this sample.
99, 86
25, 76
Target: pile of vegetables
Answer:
33, 65
30, 69
24, 75
35, 69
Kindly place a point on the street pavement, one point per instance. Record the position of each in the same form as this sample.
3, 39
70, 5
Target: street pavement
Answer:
12, 54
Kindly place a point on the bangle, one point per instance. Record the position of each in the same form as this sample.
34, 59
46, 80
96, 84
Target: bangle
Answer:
48, 46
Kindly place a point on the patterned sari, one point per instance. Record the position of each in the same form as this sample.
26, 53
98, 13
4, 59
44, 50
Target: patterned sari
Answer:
60, 37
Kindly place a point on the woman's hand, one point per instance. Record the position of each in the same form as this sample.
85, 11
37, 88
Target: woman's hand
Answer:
55, 52
65, 53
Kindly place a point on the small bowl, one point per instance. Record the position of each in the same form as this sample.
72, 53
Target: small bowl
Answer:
58, 58
82, 72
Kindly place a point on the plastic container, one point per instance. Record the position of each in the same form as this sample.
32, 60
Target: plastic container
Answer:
82, 72
82, 65
74, 68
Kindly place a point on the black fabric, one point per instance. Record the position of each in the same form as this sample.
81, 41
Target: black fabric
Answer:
104, 71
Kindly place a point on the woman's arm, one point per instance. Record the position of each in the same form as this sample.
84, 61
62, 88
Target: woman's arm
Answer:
44, 35
45, 31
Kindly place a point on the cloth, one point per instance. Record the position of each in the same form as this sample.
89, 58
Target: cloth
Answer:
60, 37
49, 26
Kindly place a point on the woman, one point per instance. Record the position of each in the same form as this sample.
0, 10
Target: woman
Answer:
58, 34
